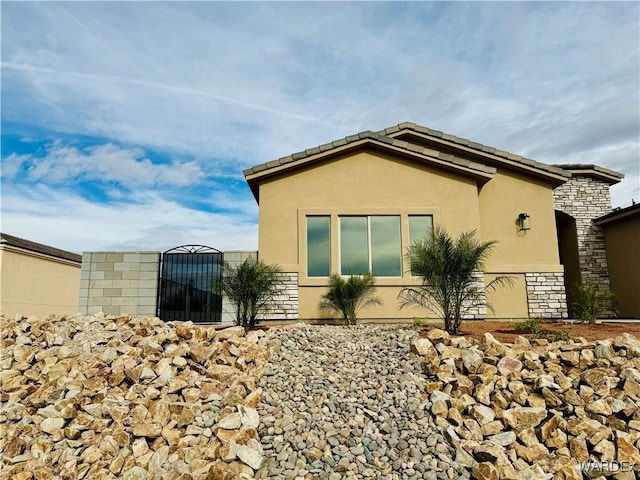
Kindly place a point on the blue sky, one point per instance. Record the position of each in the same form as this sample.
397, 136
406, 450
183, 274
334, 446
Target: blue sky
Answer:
126, 125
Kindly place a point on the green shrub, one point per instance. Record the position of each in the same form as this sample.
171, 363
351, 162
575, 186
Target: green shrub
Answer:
252, 287
591, 302
532, 325
349, 296
419, 322
535, 327
446, 268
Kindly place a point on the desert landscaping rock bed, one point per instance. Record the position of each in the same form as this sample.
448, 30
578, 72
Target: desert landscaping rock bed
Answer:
100, 397
349, 402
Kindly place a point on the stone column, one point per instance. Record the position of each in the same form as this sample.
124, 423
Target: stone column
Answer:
586, 198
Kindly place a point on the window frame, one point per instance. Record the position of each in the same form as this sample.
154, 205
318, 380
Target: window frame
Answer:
306, 242
335, 213
370, 250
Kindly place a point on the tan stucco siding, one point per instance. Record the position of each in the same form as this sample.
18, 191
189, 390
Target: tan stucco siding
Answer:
508, 301
365, 183
33, 284
370, 182
623, 255
309, 299
501, 201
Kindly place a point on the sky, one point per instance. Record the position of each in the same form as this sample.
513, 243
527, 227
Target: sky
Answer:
127, 125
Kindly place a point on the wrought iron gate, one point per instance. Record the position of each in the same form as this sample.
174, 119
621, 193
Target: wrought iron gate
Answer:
190, 284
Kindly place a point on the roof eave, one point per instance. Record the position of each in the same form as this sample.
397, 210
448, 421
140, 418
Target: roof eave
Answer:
556, 175
617, 215
594, 171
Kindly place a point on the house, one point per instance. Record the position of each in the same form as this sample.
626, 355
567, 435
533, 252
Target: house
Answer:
622, 236
356, 204
37, 279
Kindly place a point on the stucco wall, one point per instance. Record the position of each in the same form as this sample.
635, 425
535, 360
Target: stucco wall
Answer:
34, 284
374, 183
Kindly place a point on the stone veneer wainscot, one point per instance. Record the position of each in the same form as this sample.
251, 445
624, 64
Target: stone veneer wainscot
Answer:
546, 295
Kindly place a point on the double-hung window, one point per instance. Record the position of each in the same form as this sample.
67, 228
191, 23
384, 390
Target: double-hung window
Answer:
371, 244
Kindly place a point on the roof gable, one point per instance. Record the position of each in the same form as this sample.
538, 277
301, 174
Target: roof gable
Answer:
368, 139
486, 153
423, 145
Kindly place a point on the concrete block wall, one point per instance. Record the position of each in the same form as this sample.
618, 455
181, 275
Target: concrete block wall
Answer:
127, 283
119, 283
233, 258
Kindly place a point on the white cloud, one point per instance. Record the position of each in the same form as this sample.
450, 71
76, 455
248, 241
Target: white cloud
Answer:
109, 163
229, 85
12, 163
145, 221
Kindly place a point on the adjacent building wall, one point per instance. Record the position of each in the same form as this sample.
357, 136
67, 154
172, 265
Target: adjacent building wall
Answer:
622, 235
119, 283
37, 284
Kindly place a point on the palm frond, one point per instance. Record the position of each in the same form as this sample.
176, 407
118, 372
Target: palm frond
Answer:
349, 296
447, 269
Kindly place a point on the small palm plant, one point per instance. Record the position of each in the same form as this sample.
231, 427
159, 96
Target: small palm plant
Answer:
252, 286
349, 296
447, 268
591, 302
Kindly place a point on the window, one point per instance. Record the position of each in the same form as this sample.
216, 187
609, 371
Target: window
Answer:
371, 244
366, 243
318, 246
420, 227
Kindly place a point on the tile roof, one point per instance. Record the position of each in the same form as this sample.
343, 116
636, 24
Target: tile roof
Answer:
39, 248
368, 134
554, 169
594, 170
386, 136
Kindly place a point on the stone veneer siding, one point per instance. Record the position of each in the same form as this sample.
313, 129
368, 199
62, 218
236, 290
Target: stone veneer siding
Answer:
286, 303
586, 198
546, 295
478, 312
119, 283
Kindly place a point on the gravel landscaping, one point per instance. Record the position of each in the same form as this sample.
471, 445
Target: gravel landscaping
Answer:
349, 402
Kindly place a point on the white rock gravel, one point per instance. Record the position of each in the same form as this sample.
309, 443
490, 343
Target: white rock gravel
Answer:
349, 402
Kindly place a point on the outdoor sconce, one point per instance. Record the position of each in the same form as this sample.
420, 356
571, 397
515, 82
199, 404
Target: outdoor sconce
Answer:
524, 221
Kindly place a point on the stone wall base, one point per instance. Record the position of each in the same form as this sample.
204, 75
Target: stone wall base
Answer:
546, 295
286, 303
478, 312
